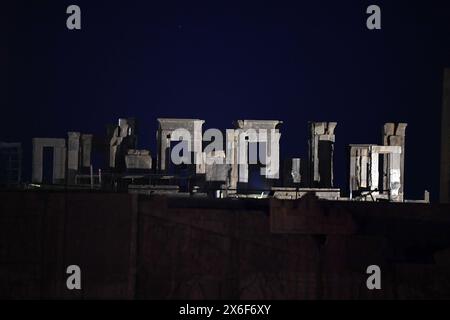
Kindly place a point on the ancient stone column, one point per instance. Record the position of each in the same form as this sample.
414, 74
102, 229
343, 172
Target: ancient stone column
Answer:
394, 135
86, 150
321, 149
73, 155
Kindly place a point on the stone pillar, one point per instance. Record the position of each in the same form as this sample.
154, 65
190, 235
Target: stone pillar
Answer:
120, 132
374, 176
197, 143
163, 142
394, 135
242, 153
292, 172
363, 169
232, 160
36, 176
59, 164
86, 150
272, 152
123, 138
321, 149
73, 155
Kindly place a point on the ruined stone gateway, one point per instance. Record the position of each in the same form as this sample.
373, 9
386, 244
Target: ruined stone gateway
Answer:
243, 162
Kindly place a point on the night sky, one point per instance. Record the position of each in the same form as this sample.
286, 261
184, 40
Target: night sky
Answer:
222, 61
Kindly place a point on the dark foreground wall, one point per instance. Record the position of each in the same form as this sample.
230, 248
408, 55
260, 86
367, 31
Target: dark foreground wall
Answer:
164, 248
42, 233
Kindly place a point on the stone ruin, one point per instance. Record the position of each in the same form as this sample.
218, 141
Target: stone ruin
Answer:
321, 148
365, 178
248, 132
165, 136
59, 159
376, 172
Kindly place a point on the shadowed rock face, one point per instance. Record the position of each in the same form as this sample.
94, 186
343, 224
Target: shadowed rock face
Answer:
445, 140
167, 248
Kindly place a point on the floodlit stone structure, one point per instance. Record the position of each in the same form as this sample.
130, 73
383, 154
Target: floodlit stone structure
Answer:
165, 136
321, 149
59, 159
292, 172
123, 138
73, 155
86, 150
216, 168
79, 148
263, 133
364, 172
249, 167
292, 193
138, 159
394, 135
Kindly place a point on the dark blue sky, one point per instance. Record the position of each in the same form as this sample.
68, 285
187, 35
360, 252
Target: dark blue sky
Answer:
222, 61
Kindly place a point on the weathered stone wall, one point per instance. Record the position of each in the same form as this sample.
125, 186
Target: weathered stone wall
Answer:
164, 248
42, 233
205, 253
